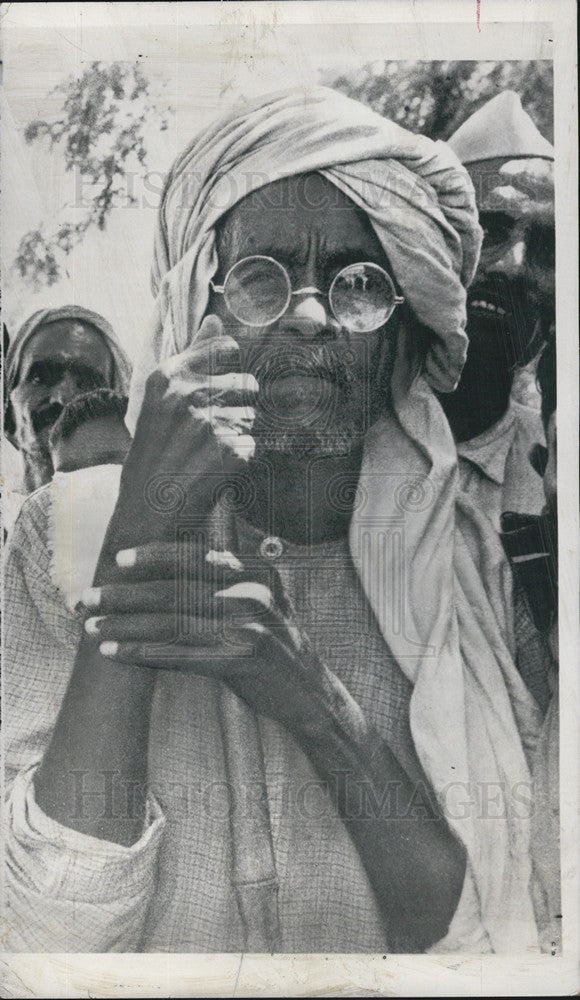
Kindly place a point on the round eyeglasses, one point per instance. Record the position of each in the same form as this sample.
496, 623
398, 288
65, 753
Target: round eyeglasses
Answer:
257, 291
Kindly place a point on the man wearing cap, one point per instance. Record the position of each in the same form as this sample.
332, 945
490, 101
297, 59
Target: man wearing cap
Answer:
57, 354
508, 305
278, 721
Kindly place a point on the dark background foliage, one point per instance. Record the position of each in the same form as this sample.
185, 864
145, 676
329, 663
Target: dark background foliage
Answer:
437, 97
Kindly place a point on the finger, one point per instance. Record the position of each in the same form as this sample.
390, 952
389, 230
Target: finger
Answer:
231, 426
117, 598
190, 659
174, 629
208, 626
232, 388
212, 351
211, 328
251, 606
164, 595
245, 589
226, 421
154, 596
229, 389
278, 641
194, 556
204, 389
250, 592
160, 560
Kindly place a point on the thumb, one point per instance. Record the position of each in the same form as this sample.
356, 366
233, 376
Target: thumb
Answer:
211, 328
210, 348
218, 347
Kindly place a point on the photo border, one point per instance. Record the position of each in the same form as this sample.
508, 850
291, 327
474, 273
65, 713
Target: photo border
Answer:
519, 29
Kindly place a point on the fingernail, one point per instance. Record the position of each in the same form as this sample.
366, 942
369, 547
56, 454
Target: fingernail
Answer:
91, 597
126, 558
226, 560
108, 648
92, 625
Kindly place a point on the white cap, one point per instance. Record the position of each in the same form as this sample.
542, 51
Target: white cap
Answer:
500, 129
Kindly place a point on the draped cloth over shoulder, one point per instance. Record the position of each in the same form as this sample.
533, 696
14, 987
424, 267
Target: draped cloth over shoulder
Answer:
471, 717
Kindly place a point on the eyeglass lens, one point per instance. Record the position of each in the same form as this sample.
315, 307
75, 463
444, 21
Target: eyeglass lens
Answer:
362, 297
257, 291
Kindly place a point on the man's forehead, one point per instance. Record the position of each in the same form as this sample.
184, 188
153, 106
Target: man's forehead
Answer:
293, 208
309, 191
63, 334
66, 338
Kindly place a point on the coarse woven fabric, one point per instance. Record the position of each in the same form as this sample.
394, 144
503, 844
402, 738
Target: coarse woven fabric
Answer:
473, 721
172, 890
418, 197
495, 469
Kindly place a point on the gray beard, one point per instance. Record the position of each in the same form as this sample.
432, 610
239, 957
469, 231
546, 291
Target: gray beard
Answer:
309, 442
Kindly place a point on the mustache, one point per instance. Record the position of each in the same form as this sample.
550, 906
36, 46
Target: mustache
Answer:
45, 416
314, 361
88, 406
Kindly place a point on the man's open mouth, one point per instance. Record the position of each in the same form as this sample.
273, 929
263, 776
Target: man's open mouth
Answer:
497, 300
485, 308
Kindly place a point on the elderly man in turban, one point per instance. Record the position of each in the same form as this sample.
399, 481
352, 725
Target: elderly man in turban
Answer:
293, 720
510, 305
57, 354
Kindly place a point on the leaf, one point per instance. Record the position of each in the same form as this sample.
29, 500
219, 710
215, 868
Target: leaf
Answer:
96, 106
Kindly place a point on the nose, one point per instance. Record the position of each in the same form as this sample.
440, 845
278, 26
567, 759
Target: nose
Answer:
511, 263
309, 318
65, 389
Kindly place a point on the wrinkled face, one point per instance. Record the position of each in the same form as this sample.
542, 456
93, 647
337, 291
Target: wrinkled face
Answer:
321, 386
60, 361
515, 277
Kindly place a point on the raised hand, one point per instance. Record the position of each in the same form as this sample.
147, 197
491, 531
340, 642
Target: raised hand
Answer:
193, 430
527, 190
